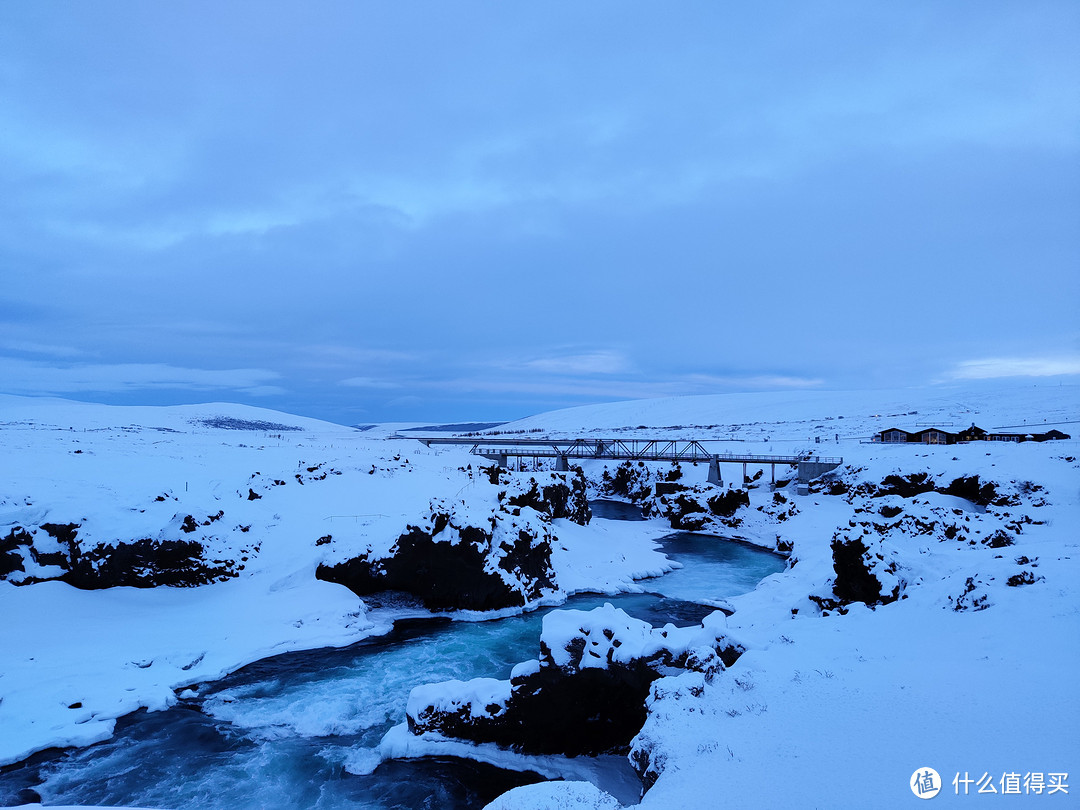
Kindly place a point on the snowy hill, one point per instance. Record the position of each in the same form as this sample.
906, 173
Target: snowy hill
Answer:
928, 616
797, 415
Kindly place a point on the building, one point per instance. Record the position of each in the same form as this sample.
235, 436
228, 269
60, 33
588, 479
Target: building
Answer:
934, 435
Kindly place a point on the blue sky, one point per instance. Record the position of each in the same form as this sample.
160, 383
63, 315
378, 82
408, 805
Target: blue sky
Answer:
476, 210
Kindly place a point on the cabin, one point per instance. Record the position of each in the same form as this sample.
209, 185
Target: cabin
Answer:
1051, 435
893, 436
896, 435
1048, 436
933, 435
971, 434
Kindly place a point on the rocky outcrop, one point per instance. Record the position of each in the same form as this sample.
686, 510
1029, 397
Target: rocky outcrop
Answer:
700, 507
631, 480
147, 563
473, 557
860, 571
458, 558
11, 560
56, 551
556, 495
587, 692
970, 488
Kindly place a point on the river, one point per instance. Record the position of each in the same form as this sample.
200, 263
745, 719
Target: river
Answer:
301, 729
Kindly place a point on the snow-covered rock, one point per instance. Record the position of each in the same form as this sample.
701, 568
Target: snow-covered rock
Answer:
584, 695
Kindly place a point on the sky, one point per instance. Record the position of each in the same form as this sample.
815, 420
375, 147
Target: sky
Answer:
440, 211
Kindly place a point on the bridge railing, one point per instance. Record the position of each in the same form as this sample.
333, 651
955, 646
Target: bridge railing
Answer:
620, 449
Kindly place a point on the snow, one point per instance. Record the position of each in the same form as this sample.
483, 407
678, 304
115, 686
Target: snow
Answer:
582, 772
610, 635
833, 710
451, 696
109, 652
556, 796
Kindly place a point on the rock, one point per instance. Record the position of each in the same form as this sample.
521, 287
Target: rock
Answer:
140, 563
585, 695
699, 507
450, 563
969, 488
631, 480
859, 573
555, 494
727, 503
906, 486
11, 560
145, 563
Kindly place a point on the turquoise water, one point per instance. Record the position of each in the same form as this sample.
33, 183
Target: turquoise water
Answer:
300, 730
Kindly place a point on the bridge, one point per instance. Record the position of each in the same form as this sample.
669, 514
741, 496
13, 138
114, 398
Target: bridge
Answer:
501, 450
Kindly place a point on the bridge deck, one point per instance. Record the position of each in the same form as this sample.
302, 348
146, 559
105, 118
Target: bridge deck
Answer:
616, 449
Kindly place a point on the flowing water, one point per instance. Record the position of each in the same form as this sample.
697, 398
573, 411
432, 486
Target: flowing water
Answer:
302, 729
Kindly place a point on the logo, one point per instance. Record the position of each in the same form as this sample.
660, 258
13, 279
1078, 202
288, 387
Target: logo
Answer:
925, 783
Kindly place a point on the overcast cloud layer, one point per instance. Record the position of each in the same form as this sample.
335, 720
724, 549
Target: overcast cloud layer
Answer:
461, 210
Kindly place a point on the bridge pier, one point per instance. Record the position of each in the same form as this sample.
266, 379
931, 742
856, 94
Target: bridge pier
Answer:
561, 464
714, 472
808, 470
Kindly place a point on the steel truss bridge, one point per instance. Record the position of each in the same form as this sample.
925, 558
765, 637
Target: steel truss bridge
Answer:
502, 450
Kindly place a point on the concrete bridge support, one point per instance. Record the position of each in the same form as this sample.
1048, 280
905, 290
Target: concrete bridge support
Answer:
714, 472
561, 464
809, 470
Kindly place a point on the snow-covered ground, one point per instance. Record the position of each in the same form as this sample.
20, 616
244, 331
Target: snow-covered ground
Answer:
964, 673
74, 660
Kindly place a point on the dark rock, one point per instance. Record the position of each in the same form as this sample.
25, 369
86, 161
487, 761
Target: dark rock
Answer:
855, 581
890, 511
566, 497
584, 701
451, 572
728, 503
1023, 578
970, 489
906, 486
631, 481
594, 711
145, 564
64, 532
10, 559
835, 486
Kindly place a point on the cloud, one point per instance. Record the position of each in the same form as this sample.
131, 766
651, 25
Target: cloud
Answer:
49, 349
995, 367
35, 378
368, 382
754, 382
599, 362
616, 388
